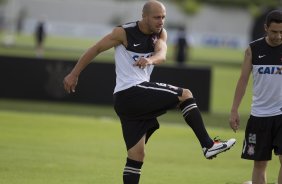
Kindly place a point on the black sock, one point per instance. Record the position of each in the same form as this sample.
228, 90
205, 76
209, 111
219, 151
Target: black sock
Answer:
194, 119
132, 171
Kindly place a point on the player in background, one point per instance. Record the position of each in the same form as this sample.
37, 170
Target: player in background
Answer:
263, 58
139, 46
40, 36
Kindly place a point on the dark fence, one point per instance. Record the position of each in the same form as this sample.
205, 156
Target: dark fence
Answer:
41, 79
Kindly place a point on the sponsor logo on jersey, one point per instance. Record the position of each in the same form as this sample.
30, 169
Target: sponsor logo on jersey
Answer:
137, 57
270, 70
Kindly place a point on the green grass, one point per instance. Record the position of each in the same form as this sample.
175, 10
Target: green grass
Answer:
56, 148
224, 82
44, 148
55, 47
214, 119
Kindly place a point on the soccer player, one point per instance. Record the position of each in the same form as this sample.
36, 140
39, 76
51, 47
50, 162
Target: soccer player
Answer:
139, 46
263, 133
181, 47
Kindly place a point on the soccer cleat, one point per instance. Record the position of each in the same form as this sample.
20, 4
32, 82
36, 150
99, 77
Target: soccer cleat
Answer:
218, 147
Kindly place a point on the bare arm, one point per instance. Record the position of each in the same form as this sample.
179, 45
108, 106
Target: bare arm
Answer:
240, 89
159, 53
116, 37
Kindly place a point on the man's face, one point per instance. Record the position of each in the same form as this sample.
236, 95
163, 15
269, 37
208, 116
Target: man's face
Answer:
274, 33
155, 20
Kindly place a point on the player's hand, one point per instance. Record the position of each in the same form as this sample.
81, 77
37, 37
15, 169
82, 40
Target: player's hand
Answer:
142, 62
234, 121
70, 82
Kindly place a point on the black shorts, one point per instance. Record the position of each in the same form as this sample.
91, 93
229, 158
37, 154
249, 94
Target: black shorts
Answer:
262, 135
139, 106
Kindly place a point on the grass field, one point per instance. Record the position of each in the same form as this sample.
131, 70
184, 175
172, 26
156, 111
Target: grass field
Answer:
82, 144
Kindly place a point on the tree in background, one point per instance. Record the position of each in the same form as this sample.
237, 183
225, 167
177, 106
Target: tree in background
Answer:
257, 8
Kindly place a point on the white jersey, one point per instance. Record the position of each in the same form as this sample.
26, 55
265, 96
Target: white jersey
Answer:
138, 45
267, 76
128, 75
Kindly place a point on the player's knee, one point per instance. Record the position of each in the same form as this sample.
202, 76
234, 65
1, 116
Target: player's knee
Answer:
186, 94
260, 165
136, 154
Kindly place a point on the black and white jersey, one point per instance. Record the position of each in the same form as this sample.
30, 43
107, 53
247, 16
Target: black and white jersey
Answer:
267, 76
138, 45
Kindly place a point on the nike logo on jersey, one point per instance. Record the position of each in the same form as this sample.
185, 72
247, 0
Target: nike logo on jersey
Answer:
136, 44
261, 56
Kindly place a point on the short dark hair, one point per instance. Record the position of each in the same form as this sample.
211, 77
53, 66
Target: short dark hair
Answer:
273, 16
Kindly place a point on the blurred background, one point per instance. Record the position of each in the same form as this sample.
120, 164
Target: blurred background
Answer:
207, 22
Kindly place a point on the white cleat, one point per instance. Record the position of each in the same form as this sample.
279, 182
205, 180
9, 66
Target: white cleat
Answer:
218, 147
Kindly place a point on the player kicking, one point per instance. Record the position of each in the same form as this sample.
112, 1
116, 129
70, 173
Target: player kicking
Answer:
139, 46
